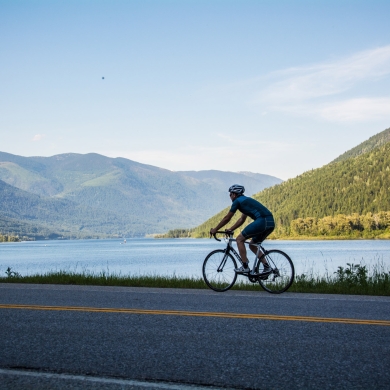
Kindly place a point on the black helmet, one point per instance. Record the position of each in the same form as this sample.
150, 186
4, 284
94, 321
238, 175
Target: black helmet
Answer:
237, 189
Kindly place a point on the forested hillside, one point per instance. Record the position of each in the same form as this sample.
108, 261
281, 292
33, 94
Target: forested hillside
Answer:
10, 227
26, 210
353, 192
89, 195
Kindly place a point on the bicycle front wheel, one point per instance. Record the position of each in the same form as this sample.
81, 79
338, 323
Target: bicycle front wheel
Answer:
282, 275
218, 270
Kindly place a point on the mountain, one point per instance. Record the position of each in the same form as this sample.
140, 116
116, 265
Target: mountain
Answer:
17, 228
48, 214
357, 185
93, 194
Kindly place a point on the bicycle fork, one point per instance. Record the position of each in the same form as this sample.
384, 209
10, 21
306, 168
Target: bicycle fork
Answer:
223, 262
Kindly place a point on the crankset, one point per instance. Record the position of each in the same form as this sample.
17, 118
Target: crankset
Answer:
253, 278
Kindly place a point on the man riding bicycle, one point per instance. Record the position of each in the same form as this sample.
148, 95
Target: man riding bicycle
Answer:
262, 226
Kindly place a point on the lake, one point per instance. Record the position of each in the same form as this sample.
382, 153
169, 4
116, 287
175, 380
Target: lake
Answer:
182, 257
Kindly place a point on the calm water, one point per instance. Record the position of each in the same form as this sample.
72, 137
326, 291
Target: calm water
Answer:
183, 257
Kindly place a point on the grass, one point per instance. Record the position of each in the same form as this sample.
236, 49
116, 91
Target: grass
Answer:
353, 279
105, 279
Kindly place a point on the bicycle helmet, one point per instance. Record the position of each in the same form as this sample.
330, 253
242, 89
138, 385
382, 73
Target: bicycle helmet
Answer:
237, 189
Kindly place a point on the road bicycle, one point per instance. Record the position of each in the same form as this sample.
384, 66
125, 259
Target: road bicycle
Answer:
220, 275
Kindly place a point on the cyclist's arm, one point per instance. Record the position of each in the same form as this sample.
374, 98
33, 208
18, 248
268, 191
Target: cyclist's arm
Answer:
223, 222
239, 222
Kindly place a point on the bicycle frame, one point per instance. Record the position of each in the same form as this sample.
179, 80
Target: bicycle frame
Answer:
275, 279
230, 248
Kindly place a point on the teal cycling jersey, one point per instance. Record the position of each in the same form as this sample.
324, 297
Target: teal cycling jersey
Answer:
250, 207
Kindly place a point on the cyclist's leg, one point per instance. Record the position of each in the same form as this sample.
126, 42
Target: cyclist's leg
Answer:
258, 239
265, 227
240, 240
252, 230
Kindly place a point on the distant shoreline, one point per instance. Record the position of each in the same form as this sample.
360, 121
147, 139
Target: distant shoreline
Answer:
303, 238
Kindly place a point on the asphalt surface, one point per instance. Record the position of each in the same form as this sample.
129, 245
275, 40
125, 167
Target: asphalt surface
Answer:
109, 350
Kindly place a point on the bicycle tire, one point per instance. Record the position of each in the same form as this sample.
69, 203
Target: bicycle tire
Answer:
283, 272
219, 280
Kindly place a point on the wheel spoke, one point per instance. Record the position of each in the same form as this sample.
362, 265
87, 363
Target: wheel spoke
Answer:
282, 274
218, 270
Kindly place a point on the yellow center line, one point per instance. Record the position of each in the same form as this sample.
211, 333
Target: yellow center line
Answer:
199, 314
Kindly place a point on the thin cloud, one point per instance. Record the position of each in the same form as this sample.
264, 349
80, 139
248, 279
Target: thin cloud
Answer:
310, 90
38, 137
356, 110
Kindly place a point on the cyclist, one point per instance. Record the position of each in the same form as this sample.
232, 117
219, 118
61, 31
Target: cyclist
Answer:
263, 224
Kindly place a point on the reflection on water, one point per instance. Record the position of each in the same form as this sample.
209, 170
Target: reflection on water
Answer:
182, 257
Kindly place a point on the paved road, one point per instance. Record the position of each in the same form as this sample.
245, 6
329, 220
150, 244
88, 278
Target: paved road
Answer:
174, 339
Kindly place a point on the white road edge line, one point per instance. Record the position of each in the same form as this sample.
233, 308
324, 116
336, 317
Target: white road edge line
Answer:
129, 382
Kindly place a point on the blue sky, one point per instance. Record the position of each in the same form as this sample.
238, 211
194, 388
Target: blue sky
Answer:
275, 87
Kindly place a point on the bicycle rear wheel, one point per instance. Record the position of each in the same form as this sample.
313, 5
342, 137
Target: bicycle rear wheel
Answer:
218, 270
282, 275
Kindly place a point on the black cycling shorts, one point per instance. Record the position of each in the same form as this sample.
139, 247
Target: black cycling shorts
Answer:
259, 229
